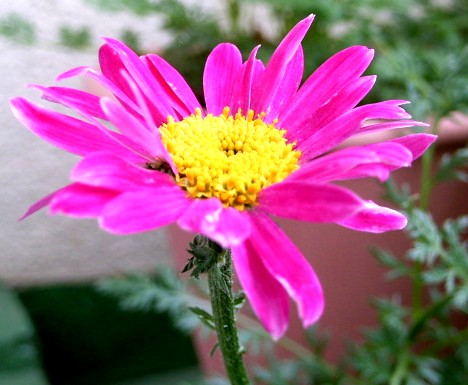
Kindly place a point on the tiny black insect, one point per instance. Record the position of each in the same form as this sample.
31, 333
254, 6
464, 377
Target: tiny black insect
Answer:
159, 165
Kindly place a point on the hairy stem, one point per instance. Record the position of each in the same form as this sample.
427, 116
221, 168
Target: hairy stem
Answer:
220, 285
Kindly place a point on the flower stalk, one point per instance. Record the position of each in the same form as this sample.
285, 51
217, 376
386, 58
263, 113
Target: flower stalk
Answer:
209, 257
220, 284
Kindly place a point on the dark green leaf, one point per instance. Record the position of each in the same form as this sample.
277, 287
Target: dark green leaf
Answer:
205, 317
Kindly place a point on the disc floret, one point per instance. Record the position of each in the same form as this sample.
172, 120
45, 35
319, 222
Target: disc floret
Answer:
230, 157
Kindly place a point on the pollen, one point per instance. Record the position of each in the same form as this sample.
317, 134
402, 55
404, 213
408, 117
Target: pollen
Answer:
230, 157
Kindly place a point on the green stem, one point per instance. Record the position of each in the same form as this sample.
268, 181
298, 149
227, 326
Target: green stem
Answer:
220, 285
234, 14
427, 184
426, 178
419, 317
401, 369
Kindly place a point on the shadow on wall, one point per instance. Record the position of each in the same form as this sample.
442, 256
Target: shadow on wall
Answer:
83, 338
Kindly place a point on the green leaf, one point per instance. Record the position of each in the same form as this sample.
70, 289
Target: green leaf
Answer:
238, 299
17, 28
425, 234
397, 267
75, 37
213, 349
451, 164
205, 317
166, 292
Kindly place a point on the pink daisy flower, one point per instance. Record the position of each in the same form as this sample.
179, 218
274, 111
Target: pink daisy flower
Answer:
264, 145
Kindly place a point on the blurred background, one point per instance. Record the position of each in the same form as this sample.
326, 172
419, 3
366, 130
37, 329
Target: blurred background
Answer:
55, 326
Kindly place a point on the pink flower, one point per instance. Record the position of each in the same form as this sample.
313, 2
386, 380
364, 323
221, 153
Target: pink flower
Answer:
262, 146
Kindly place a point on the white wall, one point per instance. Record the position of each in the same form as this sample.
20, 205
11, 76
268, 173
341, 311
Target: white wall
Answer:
44, 248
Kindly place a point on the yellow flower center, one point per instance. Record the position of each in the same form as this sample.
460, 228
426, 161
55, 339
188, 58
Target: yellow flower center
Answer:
228, 157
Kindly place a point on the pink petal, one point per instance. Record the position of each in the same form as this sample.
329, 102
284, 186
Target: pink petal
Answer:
289, 85
312, 120
40, 204
226, 226
305, 201
160, 152
403, 123
143, 210
110, 171
374, 160
139, 73
289, 267
242, 93
326, 81
78, 200
375, 219
113, 68
105, 82
176, 88
133, 129
66, 132
139, 149
222, 69
416, 143
83, 101
276, 76
348, 124
266, 296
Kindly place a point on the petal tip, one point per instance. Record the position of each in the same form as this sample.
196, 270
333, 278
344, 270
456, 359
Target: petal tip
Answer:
277, 334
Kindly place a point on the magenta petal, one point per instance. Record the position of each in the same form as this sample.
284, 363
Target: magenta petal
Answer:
310, 202
176, 88
66, 132
266, 296
375, 219
289, 85
141, 75
83, 101
226, 226
289, 267
40, 204
113, 69
392, 125
374, 160
333, 166
275, 75
129, 141
313, 118
133, 129
78, 200
143, 210
326, 81
104, 81
346, 125
110, 171
242, 93
416, 143
222, 69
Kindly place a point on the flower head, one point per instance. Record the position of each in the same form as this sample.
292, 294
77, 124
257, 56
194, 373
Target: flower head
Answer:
264, 145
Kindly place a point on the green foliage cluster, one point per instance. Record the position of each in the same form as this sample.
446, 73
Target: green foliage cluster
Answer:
421, 49
164, 293
17, 28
